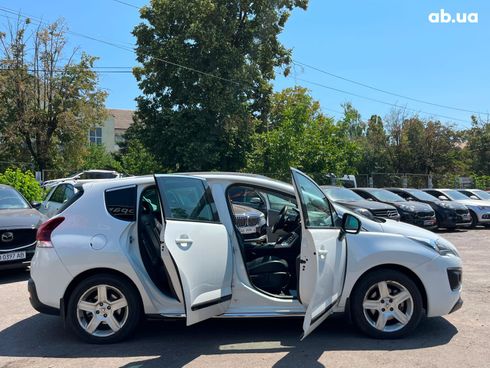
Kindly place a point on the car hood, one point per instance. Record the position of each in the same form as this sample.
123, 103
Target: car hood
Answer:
472, 202
419, 206
370, 205
239, 209
21, 218
455, 205
389, 226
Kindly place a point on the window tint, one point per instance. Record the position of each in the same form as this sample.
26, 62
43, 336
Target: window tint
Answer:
97, 175
58, 195
187, 199
121, 203
315, 206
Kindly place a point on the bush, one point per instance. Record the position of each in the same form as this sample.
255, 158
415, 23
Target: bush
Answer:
24, 182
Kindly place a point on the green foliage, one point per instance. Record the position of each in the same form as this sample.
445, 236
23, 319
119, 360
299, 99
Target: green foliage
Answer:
98, 158
478, 147
48, 98
192, 120
137, 160
301, 136
24, 182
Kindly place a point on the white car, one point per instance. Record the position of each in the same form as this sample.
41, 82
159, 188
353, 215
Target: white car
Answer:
167, 245
84, 175
479, 209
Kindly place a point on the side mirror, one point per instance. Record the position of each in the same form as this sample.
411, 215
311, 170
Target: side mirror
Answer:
350, 224
474, 197
36, 205
442, 198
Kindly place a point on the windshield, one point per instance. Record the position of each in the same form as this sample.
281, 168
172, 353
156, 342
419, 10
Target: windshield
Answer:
482, 194
455, 195
342, 194
419, 194
386, 196
11, 199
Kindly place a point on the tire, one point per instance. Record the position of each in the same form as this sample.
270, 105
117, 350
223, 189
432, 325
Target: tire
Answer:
113, 319
368, 290
474, 220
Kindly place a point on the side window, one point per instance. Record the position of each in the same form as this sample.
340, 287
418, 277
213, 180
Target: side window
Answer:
314, 204
277, 201
121, 203
187, 199
402, 194
69, 192
58, 194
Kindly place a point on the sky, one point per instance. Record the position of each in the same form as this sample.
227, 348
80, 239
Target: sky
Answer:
388, 45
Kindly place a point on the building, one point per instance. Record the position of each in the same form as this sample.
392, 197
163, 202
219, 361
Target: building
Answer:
111, 132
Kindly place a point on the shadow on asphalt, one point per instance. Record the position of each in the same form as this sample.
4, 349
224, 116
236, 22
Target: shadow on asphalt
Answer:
16, 275
172, 344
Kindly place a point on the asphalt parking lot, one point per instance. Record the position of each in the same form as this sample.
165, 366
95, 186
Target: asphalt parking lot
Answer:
29, 339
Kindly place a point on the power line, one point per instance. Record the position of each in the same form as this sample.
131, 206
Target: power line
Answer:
385, 91
379, 101
297, 62
227, 79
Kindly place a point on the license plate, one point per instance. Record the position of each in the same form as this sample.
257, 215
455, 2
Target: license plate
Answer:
248, 229
14, 256
429, 222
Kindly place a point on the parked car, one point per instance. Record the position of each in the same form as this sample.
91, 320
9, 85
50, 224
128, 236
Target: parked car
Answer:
19, 221
354, 201
110, 257
479, 210
415, 213
476, 194
85, 175
450, 215
58, 195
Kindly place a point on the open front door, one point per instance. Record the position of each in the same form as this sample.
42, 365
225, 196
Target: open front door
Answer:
195, 246
323, 254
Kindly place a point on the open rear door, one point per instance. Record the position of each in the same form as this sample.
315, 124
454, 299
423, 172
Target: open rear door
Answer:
323, 253
195, 246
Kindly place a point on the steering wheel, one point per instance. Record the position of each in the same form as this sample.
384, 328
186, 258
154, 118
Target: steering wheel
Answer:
282, 219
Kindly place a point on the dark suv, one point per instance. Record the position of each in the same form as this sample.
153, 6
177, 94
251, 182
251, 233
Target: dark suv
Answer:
414, 213
449, 214
355, 202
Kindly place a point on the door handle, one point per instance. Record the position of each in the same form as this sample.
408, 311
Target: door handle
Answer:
322, 253
183, 240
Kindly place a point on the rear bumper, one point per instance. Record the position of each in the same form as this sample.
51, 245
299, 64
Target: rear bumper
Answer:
36, 303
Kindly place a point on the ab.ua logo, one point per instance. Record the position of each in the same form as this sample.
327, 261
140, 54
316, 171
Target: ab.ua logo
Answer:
443, 17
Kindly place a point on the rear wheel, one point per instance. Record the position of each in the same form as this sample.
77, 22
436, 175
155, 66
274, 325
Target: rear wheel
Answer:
386, 304
104, 309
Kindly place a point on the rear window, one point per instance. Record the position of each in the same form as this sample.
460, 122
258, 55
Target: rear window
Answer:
121, 203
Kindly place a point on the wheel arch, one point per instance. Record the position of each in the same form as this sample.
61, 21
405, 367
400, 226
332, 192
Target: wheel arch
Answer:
390, 266
88, 273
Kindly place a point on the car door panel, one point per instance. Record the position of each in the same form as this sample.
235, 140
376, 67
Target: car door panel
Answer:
323, 254
195, 251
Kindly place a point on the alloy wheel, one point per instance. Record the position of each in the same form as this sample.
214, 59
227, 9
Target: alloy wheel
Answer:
388, 306
102, 310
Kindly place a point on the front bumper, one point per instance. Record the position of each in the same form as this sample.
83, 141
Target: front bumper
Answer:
442, 293
427, 223
21, 263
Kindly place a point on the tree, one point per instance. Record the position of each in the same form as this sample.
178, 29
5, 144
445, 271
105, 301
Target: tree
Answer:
48, 100
303, 137
137, 160
205, 78
95, 156
478, 146
24, 182
374, 145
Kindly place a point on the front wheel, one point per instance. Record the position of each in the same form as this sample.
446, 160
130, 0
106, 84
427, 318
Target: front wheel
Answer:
386, 304
474, 220
103, 309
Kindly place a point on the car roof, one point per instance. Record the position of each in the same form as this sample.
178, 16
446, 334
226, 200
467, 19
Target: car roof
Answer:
241, 178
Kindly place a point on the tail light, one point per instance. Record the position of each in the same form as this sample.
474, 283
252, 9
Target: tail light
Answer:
44, 231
